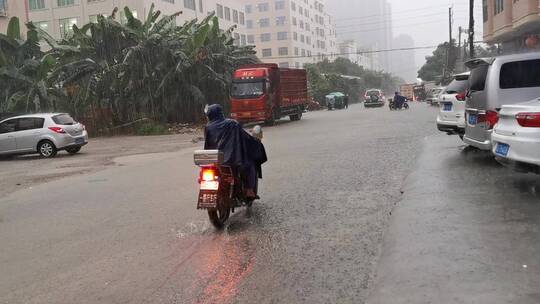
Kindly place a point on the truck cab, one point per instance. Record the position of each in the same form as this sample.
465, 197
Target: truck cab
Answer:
265, 93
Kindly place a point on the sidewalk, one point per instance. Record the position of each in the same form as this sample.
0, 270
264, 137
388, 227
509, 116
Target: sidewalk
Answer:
467, 231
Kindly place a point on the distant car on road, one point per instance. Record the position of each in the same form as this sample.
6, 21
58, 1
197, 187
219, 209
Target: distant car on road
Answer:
516, 136
433, 96
44, 134
374, 98
495, 82
451, 118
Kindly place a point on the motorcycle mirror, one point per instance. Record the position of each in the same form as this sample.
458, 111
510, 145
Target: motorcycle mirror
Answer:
257, 132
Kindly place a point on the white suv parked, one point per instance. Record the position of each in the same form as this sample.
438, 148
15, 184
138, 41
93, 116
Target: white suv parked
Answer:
45, 134
451, 118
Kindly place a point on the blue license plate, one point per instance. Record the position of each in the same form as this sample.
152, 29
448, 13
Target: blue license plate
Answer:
502, 149
79, 141
472, 119
447, 107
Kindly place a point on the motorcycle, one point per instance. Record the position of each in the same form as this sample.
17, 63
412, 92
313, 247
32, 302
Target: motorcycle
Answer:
393, 106
221, 189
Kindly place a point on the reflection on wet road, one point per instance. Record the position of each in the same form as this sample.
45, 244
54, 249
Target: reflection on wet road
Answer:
328, 191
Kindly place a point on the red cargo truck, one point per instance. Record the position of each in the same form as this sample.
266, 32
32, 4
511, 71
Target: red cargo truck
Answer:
266, 93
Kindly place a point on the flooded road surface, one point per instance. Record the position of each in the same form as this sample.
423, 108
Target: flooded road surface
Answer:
132, 234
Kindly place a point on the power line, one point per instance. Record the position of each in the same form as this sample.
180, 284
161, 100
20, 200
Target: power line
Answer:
390, 14
354, 53
393, 20
383, 28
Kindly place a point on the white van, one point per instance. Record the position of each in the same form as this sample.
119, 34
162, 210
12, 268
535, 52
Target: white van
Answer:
495, 82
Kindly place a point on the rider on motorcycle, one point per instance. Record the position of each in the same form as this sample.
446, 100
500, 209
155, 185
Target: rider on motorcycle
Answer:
399, 100
242, 152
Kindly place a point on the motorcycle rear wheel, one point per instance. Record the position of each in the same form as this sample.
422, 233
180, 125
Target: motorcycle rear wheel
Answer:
219, 216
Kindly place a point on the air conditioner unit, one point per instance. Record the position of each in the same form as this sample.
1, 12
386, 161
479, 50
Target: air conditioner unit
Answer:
3, 12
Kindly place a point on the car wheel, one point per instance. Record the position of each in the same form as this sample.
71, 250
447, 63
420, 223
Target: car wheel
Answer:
73, 150
47, 149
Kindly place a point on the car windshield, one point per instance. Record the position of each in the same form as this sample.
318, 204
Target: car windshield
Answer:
247, 89
63, 119
372, 93
457, 86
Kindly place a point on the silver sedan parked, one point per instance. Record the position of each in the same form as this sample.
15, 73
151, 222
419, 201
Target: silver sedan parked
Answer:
45, 134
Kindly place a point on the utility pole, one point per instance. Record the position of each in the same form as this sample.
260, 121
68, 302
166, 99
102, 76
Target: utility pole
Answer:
447, 70
471, 29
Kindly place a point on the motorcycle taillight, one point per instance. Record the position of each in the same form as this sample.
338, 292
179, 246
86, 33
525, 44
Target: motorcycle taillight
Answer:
208, 174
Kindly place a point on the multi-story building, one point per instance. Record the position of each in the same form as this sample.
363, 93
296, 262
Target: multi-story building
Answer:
58, 16
11, 8
369, 23
511, 23
363, 57
290, 33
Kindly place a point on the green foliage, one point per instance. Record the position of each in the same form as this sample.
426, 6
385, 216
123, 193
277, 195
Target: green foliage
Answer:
439, 67
152, 69
326, 77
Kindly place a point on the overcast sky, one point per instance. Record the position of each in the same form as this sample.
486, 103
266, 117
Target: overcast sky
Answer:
426, 21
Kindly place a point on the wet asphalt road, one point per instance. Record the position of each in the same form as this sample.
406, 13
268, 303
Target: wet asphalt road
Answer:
131, 234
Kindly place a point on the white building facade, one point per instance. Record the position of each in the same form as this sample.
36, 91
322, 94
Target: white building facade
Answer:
290, 33
58, 16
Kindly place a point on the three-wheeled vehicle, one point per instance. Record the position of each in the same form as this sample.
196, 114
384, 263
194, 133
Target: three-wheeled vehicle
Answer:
335, 100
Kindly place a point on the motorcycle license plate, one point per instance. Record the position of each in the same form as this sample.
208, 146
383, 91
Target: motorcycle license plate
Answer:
207, 199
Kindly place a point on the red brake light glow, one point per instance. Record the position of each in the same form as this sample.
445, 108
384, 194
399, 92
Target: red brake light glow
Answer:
528, 120
208, 175
209, 179
461, 96
58, 130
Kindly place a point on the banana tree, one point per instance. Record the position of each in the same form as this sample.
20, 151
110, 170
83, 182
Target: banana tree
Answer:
24, 72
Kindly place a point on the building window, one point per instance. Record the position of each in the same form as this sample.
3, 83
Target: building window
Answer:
282, 36
243, 39
303, 53
308, 39
302, 38
251, 39
296, 51
263, 7
227, 13
65, 3
249, 24
283, 51
265, 22
280, 5
219, 10
36, 4
249, 9
295, 36
201, 9
267, 52
170, 1
44, 25
284, 65
241, 18
281, 20
301, 24
293, 6
300, 10
235, 16
308, 27
189, 4
294, 21
265, 37
499, 6
66, 26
